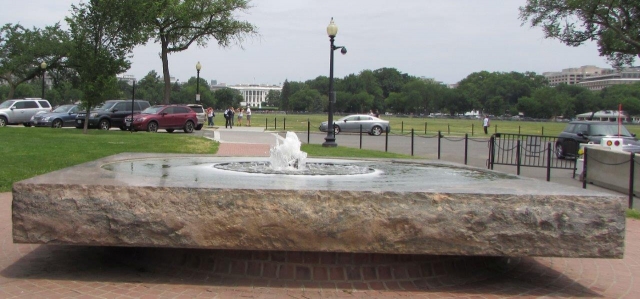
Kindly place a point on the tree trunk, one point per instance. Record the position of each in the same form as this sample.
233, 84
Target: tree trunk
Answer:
85, 130
165, 71
12, 90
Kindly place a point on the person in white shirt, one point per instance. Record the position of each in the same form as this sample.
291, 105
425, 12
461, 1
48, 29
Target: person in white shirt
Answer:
485, 124
248, 112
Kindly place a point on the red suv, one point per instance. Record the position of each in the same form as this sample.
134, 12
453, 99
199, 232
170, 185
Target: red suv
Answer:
169, 117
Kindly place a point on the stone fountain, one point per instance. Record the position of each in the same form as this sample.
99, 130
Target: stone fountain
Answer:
365, 206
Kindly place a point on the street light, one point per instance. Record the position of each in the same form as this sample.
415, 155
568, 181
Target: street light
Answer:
198, 67
43, 66
133, 104
330, 140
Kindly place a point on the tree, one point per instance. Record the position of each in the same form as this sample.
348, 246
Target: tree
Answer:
273, 98
226, 97
180, 23
23, 50
614, 24
103, 34
150, 88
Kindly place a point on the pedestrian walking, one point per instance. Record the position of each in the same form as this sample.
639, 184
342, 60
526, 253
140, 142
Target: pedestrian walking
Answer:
240, 114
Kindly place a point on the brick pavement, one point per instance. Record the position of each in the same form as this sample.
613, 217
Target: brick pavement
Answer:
49, 271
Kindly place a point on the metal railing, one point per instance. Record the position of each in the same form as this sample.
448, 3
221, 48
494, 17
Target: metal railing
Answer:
528, 151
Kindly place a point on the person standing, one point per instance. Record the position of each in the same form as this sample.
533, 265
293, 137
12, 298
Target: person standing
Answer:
228, 116
485, 124
248, 116
210, 116
240, 114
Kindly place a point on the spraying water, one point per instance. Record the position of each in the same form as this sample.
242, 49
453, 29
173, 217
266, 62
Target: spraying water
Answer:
286, 155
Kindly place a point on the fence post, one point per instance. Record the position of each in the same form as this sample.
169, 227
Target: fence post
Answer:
265, 123
496, 129
471, 129
425, 128
275, 123
466, 147
411, 141
492, 151
402, 128
542, 131
308, 131
518, 157
548, 161
386, 140
285, 124
584, 169
518, 130
439, 136
360, 136
631, 172
448, 130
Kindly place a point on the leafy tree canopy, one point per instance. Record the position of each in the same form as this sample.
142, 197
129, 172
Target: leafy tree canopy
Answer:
614, 24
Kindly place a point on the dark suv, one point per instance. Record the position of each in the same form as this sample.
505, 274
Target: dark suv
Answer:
577, 132
111, 114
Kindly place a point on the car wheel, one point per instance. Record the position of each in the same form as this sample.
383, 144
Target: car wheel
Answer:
152, 127
57, 123
123, 128
104, 125
27, 124
376, 131
170, 130
188, 127
3, 121
336, 130
559, 151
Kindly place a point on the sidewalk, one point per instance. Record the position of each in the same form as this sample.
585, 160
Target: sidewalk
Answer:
48, 271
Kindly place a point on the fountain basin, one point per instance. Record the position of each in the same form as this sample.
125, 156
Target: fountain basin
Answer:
186, 202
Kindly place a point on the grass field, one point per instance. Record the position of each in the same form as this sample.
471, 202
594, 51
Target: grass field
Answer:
421, 126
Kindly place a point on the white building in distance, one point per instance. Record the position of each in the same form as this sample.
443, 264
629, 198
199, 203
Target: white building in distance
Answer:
575, 75
254, 95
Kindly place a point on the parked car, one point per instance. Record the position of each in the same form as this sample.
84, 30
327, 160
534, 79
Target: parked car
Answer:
351, 123
577, 132
20, 111
111, 114
63, 116
202, 116
169, 118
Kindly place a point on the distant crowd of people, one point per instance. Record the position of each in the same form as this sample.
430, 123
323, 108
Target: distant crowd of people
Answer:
230, 114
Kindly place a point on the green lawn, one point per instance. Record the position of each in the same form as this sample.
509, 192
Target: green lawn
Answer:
421, 126
27, 152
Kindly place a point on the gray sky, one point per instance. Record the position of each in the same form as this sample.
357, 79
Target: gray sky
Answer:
442, 39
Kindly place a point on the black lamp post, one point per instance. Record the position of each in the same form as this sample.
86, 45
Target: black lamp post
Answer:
43, 66
330, 140
198, 67
133, 104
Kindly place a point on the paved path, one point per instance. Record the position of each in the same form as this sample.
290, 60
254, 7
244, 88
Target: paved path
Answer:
47, 271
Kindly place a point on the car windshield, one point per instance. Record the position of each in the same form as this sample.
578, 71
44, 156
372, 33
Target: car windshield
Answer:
6, 104
152, 110
608, 130
105, 106
63, 109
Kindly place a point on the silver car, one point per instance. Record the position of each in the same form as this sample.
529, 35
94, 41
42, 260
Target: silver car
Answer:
352, 123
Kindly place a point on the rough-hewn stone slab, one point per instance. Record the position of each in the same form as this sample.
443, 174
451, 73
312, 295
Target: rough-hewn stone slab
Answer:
97, 208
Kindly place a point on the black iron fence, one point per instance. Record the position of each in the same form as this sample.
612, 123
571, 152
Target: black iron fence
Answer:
527, 151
